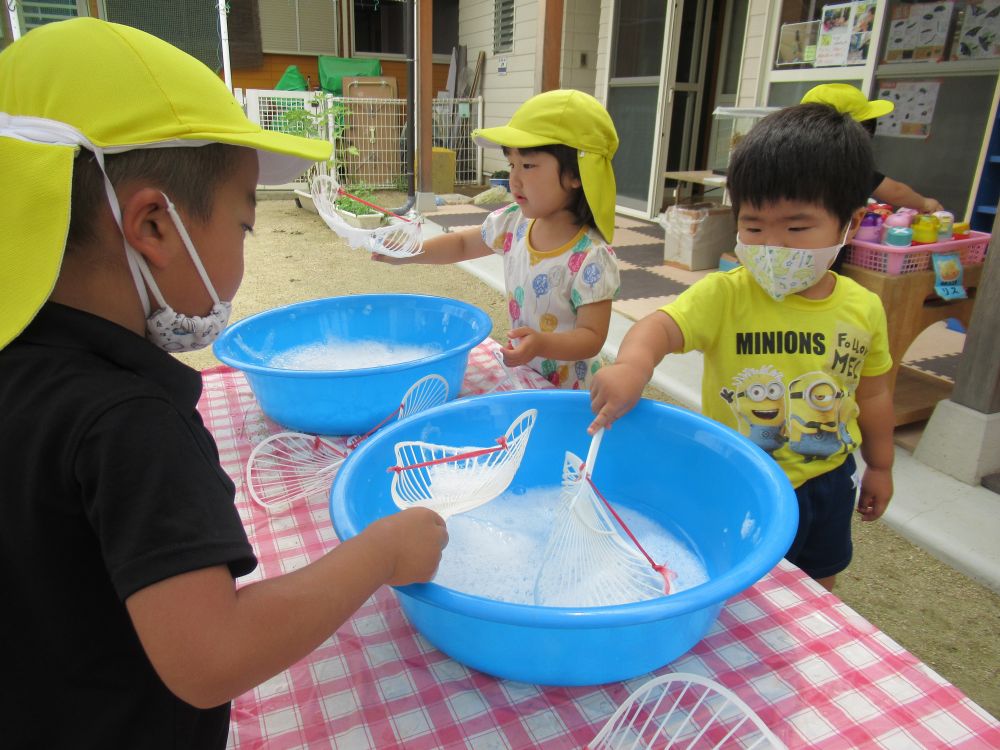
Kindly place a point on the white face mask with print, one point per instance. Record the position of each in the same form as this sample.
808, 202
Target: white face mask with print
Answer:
781, 271
168, 329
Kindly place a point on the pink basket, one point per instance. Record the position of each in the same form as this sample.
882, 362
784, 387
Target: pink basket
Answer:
899, 260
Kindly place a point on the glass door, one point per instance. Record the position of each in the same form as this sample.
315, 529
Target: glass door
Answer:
635, 97
656, 94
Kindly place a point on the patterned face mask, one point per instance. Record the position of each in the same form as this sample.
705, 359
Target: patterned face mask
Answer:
781, 271
168, 329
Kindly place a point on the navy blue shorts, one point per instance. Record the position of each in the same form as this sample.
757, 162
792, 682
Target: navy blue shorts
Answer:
822, 546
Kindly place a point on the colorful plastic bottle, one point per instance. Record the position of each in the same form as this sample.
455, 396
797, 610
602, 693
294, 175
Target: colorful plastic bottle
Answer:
960, 230
870, 229
894, 220
898, 236
925, 229
946, 222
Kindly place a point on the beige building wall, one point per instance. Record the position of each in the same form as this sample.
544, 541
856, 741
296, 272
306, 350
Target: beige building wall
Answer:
581, 28
502, 92
755, 48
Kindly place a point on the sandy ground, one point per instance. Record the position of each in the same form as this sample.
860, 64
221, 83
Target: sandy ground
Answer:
948, 621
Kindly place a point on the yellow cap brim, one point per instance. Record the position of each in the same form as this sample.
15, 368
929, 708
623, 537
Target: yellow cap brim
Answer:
875, 108
510, 137
31, 256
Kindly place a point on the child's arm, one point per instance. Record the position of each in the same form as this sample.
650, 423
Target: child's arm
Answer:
584, 341
451, 247
210, 642
617, 388
876, 420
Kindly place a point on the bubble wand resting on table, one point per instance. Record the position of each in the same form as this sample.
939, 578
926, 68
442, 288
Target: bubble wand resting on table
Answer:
291, 465
397, 240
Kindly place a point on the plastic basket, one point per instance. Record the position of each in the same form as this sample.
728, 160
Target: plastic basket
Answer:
899, 260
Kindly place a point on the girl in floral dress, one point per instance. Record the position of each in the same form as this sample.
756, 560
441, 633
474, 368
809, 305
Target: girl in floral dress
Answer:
560, 271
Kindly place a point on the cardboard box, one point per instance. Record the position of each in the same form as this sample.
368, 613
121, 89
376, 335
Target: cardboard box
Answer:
696, 235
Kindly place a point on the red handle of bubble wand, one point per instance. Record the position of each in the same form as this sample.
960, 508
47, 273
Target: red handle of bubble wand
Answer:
663, 570
501, 446
387, 212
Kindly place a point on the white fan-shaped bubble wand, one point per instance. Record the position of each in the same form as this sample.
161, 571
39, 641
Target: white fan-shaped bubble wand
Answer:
399, 240
430, 390
293, 465
450, 479
587, 563
684, 711
290, 465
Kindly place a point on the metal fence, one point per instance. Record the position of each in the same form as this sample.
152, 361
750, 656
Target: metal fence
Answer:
368, 134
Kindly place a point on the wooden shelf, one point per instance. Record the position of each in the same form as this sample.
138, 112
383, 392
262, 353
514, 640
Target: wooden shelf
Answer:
911, 305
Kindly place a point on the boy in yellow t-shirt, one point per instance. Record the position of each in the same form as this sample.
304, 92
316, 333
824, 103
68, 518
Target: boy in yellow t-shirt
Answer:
796, 357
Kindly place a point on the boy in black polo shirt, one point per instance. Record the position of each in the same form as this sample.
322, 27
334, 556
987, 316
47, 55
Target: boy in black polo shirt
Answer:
128, 180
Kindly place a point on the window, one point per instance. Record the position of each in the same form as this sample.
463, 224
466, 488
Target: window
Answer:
190, 25
380, 26
34, 15
307, 27
503, 26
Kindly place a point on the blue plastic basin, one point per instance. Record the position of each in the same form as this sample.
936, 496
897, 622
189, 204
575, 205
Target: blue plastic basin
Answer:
703, 482
350, 402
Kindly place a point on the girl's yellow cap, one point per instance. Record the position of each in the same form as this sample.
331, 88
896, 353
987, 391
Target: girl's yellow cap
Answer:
574, 119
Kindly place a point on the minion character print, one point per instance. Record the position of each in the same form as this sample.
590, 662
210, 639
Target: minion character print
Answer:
757, 399
816, 416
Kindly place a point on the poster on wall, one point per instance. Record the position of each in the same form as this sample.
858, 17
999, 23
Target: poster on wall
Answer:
834, 34
845, 33
797, 43
914, 110
979, 35
862, 23
918, 31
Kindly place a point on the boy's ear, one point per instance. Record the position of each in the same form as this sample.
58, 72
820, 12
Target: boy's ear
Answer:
856, 218
147, 226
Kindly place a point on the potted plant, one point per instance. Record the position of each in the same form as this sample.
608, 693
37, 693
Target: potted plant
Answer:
501, 178
357, 214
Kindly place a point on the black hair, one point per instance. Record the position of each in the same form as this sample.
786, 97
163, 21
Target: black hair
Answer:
569, 168
809, 153
869, 126
189, 175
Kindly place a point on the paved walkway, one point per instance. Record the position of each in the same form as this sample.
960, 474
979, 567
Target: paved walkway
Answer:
957, 523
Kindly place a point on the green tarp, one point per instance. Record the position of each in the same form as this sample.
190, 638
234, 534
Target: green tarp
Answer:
291, 80
333, 69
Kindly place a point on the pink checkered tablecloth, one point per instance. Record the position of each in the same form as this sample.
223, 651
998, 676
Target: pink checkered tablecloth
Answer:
817, 673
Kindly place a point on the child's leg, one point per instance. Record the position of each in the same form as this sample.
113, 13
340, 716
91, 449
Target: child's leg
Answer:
822, 546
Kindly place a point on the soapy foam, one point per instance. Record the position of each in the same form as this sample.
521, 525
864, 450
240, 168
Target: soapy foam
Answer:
344, 355
496, 550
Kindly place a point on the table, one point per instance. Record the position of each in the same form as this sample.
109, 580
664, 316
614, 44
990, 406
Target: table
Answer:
694, 177
911, 305
816, 672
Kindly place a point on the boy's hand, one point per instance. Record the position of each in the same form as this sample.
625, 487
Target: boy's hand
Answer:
876, 491
413, 541
525, 345
613, 392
